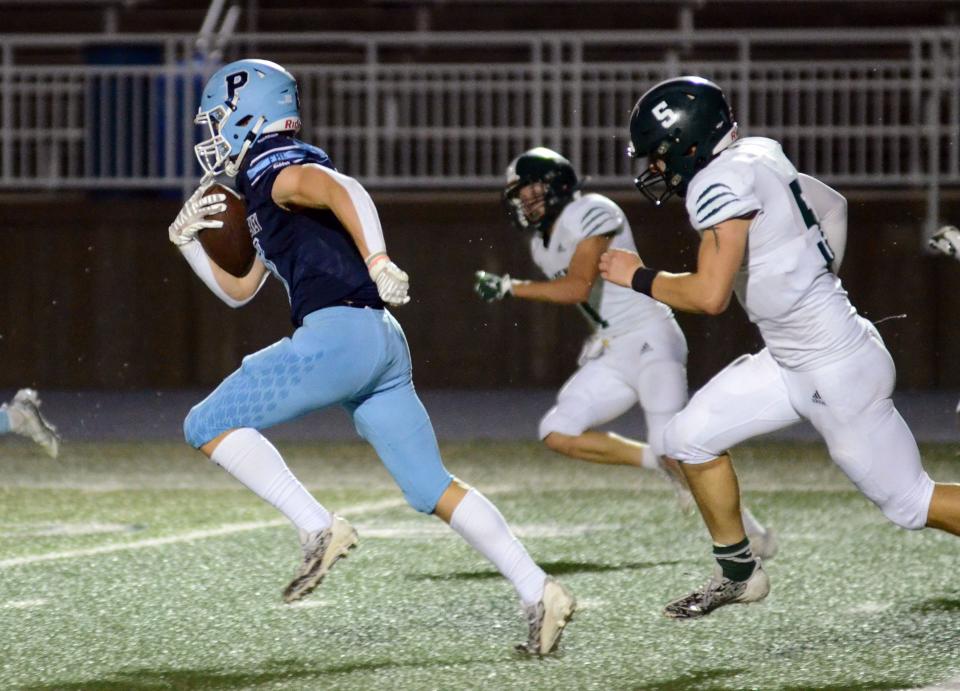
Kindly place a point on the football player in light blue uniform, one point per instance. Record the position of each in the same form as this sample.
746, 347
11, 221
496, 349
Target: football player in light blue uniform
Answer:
22, 416
318, 232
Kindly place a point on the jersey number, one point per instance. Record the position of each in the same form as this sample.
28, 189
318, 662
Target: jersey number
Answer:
810, 220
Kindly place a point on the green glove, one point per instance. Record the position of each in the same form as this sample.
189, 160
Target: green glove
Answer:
947, 240
491, 287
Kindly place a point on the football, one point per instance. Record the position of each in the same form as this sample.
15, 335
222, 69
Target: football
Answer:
230, 246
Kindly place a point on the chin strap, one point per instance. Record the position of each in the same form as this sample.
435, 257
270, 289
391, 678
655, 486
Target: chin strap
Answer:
233, 167
726, 140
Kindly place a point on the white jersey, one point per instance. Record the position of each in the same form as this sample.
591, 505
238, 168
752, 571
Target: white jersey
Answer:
611, 309
784, 285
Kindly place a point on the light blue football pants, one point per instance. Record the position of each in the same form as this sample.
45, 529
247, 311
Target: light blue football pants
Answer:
355, 357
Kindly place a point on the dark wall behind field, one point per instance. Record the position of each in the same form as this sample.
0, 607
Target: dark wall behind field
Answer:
95, 295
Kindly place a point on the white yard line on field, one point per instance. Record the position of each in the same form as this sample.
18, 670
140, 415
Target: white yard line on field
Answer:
420, 530
23, 604
190, 536
22, 530
952, 685
233, 528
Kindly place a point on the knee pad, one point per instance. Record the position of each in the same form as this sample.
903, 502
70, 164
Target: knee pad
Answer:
192, 429
683, 438
562, 419
200, 426
656, 424
908, 509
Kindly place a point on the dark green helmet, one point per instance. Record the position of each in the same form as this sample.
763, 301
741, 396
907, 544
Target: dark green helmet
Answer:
559, 183
678, 127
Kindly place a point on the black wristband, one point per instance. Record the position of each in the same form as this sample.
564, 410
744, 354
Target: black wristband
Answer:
642, 280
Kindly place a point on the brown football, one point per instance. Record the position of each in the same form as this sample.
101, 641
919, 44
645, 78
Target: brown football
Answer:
230, 246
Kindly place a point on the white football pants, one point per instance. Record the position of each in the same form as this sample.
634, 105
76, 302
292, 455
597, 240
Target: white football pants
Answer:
647, 366
847, 401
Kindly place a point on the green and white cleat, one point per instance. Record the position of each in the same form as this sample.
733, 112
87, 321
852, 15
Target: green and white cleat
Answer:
720, 591
547, 618
764, 545
321, 550
26, 420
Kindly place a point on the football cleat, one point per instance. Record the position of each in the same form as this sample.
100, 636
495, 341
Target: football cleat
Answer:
26, 420
764, 545
321, 550
720, 591
547, 618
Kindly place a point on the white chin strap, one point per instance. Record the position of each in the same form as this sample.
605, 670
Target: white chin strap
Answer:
727, 140
233, 167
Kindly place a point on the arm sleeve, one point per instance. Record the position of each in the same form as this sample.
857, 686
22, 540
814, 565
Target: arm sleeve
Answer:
200, 263
365, 208
719, 192
831, 209
263, 170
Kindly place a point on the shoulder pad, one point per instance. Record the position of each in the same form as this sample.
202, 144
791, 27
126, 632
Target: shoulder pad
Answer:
594, 214
722, 190
287, 152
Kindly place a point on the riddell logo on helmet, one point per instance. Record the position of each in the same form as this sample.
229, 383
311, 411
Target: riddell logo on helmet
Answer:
291, 124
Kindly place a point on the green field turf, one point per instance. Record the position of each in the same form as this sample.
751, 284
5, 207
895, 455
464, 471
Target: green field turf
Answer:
142, 566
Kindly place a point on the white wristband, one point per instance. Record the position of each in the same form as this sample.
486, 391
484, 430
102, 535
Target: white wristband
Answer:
200, 263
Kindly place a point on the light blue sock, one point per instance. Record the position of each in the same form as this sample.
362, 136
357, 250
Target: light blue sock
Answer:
4, 422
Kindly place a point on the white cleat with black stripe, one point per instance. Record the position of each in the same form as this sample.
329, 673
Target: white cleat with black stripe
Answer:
321, 550
547, 619
26, 420
720, 591
764, 545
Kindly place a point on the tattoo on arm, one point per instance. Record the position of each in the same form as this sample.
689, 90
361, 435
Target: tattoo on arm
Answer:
716, 235
716, 229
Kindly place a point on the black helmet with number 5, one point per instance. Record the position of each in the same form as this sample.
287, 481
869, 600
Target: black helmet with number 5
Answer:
678, 127
552, 182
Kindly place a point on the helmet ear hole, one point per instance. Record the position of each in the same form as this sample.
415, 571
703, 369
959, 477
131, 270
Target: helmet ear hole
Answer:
244, 121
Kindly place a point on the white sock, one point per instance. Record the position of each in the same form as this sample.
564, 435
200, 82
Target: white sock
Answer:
750, 523
254, 461
649, 459
484, 528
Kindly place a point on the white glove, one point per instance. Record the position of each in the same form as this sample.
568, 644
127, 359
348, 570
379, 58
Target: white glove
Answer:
947, 240
392, 282
192, 217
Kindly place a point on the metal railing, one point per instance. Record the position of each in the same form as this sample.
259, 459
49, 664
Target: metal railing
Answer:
450, 110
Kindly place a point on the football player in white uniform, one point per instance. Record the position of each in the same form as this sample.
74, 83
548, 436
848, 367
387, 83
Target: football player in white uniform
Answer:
22, 416
637, 352
761, 239
947, 241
